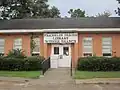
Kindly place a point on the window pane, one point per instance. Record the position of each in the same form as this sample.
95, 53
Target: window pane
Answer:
35, 54
37, 41
66, 51
107, 43
87, 45
106, 50
87, 54
2, 42
107, 54
36, 49
18, 43
107, 46
87, 50
107, 39
56, 50
18, 47
37, 45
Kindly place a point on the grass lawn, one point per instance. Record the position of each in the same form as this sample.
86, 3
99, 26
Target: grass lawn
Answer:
24, 74
90, 75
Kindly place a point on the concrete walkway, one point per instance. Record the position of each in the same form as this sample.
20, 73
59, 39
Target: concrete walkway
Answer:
55, 76
60, 75
54, 79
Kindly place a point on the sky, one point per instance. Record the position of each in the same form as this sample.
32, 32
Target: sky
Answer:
92, 7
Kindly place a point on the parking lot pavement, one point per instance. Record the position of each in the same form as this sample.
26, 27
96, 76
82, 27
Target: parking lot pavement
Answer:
73, 87
57, 86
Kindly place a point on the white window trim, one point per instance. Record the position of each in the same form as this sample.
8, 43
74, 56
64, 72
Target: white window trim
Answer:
111, 47
34, 52
3, 47
14, 43
83, 46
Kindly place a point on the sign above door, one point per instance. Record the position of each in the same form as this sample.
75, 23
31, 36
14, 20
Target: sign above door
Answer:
60, 37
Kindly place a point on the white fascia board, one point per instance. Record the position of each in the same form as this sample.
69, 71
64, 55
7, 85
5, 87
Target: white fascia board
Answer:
100, 29
83, 30
21, 31
62, 30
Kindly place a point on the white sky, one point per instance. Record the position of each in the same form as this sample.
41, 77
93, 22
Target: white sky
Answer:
92, 7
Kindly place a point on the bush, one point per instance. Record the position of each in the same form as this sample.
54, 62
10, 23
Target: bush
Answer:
33, 63
99, 64
20, 64
16, 53
11, 64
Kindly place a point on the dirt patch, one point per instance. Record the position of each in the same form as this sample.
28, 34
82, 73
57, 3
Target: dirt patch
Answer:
12, 83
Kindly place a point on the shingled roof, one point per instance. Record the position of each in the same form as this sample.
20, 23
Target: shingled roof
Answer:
60, 23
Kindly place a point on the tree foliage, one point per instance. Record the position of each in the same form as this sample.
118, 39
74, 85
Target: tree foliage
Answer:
32, 44
76, 13
104, 14
54, 12
16, 53
118, 11
18, 9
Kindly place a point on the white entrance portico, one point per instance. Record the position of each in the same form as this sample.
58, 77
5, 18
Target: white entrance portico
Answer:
61, 48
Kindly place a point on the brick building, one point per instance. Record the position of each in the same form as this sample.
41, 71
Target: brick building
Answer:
62, 40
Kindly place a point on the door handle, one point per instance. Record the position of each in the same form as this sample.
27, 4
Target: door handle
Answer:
60, 56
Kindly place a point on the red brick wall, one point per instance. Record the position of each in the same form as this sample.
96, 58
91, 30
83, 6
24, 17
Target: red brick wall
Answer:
9, 42
97, 43
45, 49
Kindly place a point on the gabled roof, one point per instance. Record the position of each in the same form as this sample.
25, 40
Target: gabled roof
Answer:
60, 23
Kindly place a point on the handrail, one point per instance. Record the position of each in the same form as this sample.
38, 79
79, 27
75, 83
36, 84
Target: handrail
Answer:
71, 68
45, 65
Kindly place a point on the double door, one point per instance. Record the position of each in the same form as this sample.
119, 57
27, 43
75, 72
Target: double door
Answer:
61, 56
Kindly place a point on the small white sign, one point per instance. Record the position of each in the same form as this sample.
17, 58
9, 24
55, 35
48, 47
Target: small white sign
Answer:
60, 37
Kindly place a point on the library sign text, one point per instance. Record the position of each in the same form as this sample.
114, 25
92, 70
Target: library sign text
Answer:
60, 37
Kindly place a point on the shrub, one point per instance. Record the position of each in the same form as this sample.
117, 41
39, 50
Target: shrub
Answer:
11, 64
20, 64
16, 53
99, 64
33, 63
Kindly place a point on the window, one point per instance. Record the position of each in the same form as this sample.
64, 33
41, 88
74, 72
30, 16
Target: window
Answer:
18, 43
56, 50
36, 50
107, 46
2, 42
87, 46
66, 51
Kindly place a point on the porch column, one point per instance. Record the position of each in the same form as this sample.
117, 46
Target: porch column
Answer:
75, 54
41, 45
45, 51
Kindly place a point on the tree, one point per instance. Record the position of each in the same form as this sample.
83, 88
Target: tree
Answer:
54, 12
40, 9
18, 9
118, 11
104, 14
13, 9
76, 13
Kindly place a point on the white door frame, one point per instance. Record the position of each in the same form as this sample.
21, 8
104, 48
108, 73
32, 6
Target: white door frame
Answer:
60, 59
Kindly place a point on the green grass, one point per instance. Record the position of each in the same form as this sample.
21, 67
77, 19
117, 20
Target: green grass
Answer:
90, 75
24, 74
